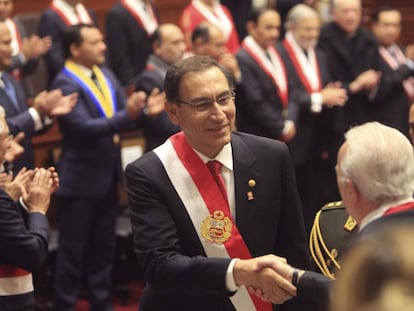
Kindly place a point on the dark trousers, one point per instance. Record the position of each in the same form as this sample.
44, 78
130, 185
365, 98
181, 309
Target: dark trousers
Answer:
86, 250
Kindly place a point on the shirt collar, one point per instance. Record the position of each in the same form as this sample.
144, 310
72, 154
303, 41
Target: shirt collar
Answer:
378, 212
225, 156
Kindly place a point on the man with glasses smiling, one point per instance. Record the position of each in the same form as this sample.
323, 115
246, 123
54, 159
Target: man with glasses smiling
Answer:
208, 201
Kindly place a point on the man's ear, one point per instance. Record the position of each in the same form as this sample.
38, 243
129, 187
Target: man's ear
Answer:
352, 191
74, 50
250, 27
172, 111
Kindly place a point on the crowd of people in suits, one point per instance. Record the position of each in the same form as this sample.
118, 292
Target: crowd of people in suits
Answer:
305, 87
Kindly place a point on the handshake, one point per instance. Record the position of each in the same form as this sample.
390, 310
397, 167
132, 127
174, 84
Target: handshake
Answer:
269, 277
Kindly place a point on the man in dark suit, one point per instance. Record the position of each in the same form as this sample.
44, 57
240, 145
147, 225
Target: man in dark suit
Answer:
396, 88
21, 118
168, 47
54, 21
90, 168
353, 58
129, 27
24, 231
314, 91
184, 214
26, 49
264, 107
375, 175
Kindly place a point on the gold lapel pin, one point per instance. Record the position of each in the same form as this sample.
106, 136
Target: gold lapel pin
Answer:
252, 183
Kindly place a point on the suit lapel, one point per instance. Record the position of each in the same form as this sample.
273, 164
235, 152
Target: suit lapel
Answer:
244, 171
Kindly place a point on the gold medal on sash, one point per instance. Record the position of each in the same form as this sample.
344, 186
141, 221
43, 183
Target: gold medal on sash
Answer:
216, 228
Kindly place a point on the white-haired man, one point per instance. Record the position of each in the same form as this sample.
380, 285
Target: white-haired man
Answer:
313, 88
375, 176
24, 229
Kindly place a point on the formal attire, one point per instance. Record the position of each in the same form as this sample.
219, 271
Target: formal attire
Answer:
19, 66
20, 118
262, 102
197, 12
23, 247
129, 27
170, 190
158, 128
314, 288
311, 148
53, 22
89, 170
347, 58
395, 92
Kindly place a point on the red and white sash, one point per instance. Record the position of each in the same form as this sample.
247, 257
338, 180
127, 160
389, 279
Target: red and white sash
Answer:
207, 209
14, 281
273, 67
218, 18
146, 18
70, 16
307, 68
394, 63
16, 44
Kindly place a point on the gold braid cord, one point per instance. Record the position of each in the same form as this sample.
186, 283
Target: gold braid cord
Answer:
317, 246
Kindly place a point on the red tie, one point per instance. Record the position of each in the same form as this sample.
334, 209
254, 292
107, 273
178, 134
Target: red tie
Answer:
215, 168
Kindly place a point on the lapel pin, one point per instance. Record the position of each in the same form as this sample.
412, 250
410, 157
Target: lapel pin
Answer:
250, 196
252, 183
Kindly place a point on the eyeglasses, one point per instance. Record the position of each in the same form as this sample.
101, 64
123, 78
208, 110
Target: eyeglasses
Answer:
205, 104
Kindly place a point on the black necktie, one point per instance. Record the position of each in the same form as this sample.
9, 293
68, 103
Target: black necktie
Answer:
95, 80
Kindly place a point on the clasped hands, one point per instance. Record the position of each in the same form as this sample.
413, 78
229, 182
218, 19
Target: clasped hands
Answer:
269, 277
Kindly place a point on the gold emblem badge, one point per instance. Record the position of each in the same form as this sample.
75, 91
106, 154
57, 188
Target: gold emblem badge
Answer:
216, 228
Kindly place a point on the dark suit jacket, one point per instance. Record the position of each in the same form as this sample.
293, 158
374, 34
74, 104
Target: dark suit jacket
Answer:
178, 274
128, 44
259, 107
313, 130
391, 105
19, 120
314, 288
347, 58
90, 160
23, 243
50, 24
156, 129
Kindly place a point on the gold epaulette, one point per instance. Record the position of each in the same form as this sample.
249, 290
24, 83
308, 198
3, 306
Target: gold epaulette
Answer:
327, 257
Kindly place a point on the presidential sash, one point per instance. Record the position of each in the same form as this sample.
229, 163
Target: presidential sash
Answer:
14, 281
104, 96
79, 15
208, 210
145, 18
273, 67
306, 68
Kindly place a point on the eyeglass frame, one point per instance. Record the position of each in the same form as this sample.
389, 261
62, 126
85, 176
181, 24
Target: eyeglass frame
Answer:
210, 102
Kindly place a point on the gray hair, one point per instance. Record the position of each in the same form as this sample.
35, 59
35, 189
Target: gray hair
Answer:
297, 13
380, 162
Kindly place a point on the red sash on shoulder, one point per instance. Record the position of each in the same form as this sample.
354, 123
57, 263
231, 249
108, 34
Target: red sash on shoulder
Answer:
299, 69
399, 208
274, 68
208, 210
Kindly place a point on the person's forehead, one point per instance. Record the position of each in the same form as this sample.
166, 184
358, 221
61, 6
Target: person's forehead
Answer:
198, 82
